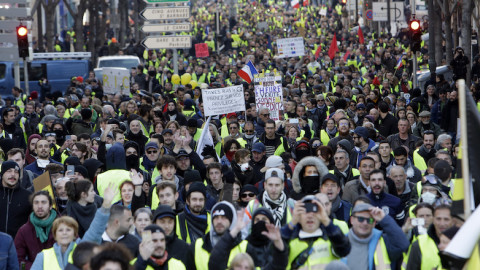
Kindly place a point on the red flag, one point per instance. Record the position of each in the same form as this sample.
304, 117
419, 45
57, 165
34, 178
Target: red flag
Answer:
345, 57
360, 35
305, 3
333, 47
317, 52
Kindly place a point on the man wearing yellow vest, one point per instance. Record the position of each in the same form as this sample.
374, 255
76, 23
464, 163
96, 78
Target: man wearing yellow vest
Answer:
20, 99
153, 254
423, 253
223, 219
315, 240
372, 248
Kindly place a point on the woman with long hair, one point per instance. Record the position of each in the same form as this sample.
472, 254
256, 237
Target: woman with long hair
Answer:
81, 203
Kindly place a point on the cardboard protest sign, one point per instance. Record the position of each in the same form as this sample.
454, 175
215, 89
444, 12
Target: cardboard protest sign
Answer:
201, 50
223, 100
290, 47
116, 80
269, 94
43, 182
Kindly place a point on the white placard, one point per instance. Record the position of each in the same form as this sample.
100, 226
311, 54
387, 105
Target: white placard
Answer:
290, 47
115, 80
269, 94
223, 100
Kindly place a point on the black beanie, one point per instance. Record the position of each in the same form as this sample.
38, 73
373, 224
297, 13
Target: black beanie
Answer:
222, 209
250, 188
191, 176
7, 165
197, 187
263, 211
154, 228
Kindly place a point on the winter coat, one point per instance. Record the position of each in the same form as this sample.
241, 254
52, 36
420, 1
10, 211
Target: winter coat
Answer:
14, 209
297, 177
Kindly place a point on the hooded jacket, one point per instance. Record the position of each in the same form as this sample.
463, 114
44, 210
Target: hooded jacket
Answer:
14, 209
371, 147
297, 177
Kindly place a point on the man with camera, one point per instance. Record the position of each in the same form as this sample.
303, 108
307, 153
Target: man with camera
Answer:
459, 64
314, 240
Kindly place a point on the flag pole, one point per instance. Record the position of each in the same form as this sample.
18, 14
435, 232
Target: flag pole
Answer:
464, 139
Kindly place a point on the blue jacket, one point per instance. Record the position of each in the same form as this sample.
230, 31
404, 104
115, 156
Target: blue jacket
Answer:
33, 167
395, 241
8, 253
371, 147
93, 234
390, 204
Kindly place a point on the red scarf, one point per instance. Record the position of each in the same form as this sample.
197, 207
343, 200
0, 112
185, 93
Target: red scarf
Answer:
160, 261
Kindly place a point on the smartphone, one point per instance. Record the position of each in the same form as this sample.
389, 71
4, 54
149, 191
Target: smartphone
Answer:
293, 121
418, 222
68, 137
311, 207
146, 236
71, 169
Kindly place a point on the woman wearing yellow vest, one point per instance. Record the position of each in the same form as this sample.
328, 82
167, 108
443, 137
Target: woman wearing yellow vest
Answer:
65, 232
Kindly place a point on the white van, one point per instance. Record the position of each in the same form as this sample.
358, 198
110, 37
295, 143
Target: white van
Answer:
116, 61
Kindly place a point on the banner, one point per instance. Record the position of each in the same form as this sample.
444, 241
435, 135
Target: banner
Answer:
269, 94
43, 182
206, 140
116, 80
201, 50
290, 47
223, 100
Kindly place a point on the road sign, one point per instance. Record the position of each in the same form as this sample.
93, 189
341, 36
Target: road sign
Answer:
369, 14
178, 27
168, 42
14, 12
380, 11
165, 1
168, 13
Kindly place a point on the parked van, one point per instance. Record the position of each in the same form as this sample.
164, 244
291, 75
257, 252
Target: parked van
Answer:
58, 73
116, 61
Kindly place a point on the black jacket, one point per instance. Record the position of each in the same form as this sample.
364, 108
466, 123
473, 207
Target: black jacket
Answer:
15, 209
388, 125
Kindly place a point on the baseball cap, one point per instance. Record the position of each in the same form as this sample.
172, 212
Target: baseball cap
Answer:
332, 177
274, 172
258, 147
362, 208
272, 162
181, 153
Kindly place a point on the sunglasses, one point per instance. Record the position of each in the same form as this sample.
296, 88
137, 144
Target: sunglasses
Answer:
245, 195
249, 131
266, 114
363, 219
152, 152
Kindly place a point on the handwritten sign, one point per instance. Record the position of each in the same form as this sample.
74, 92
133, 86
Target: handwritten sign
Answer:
201, 50
223, 100
269, 94
290, 47
116, 80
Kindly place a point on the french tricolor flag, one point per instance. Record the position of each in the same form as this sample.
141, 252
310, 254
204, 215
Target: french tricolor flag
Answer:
399, 62
247, 72
295, 3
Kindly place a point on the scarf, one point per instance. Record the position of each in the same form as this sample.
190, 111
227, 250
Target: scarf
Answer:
83, 214
43, 226
332, 133
197, 225
148, 164
160, 261
336, 204
277, 207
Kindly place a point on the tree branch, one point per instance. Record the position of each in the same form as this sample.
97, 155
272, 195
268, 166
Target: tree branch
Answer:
441, 6
69, 8
454, 6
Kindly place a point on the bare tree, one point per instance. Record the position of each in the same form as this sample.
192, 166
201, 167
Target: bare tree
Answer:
78, 23
438, 33
50, 7
448, 9
123, 14
467, 8
432, 33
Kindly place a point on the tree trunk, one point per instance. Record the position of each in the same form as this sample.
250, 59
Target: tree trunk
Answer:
136, 26
92, 31
438, 34
123, 21
40, 43
448, 38
432, 32
78, 24
49, 22
467, 33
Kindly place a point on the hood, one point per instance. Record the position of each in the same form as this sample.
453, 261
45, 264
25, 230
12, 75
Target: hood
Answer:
92, 166
307, 161
213, 234
116, 157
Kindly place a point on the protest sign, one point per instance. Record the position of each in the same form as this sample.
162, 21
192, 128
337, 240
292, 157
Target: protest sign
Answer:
201, 50
268, 94
43, 182
223, 100
290, 47
116, 80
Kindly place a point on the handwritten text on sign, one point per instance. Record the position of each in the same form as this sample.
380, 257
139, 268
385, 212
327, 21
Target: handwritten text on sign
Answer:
223, 100
115, 80
268, 94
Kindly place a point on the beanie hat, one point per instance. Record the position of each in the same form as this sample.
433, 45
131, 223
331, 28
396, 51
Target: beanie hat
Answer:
197, 187
222, 209
263, 211
163, 211
7, 165
191, 176
442, 169
346, 145
250, 188
82, 170
154, 228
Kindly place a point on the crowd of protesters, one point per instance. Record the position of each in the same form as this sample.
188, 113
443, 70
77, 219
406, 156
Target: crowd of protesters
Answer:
358, 172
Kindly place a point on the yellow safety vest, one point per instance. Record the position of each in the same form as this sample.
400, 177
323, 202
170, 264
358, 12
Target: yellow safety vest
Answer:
20, 102
429, 250
324, 137
320, 257
187, 237
173, 264
341, 224
419, 161
50, 260
116, 177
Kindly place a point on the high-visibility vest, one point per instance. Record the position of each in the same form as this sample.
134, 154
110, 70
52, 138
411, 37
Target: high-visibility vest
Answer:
341, 224
117, 177
20, 102
324, 137
419, 161
146, 132
297, 246
186, 237
173, 264
50, 260
429, 250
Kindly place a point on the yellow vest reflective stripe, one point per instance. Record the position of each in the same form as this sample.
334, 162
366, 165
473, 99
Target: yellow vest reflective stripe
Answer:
240, 248
172, 264
50, 260
201, 255
20, 102
419, 161
380, 258
187, 237
22, 126
242, 142
155, 199
189, 114
116, 177
319, 259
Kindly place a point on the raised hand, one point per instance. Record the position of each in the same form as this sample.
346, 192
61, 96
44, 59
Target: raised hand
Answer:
146, 249
273, 233
136, 177
377, 214
108, 195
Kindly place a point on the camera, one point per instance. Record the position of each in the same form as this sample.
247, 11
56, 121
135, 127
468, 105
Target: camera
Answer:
311, 207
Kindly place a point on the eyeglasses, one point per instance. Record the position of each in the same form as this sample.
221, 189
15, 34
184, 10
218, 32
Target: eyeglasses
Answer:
343, 124
363, 219
321, 100
245, 195
249, 131
152, 152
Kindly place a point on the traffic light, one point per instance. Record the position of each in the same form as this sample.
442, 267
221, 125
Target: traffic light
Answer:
343, 2
415, 35
22, 41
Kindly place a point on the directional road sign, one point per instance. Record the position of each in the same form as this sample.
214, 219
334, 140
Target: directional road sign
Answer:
168, 42
165, 1
380, 13
167, 13
178, 27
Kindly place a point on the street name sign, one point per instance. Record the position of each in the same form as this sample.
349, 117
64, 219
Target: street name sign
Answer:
168, 42
178, 27
168, 13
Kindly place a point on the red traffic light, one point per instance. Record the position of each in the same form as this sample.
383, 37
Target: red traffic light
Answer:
344, 2
415, 25
22, 31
